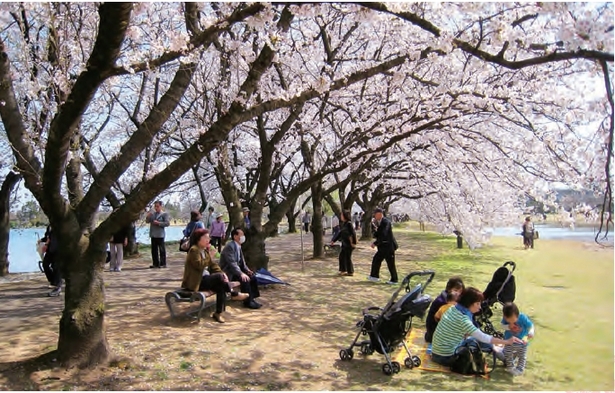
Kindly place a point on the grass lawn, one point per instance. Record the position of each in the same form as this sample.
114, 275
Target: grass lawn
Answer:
565, 287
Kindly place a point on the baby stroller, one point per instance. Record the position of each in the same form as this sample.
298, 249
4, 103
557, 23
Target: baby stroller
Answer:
387, 327
500, 290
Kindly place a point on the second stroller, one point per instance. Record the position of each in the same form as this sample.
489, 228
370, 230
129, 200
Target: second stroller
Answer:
500, 290
387, 327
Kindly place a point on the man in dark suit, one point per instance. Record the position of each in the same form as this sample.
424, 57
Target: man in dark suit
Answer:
234, 265
386, 244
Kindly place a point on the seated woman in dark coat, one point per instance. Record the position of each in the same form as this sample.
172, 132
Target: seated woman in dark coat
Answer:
454, 284
201, 273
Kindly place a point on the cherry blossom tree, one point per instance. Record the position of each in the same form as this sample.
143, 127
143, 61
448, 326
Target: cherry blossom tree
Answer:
96, 98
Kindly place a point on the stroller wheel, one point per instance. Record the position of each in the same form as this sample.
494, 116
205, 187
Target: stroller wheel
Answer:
416, 361
386, 369
346, 354
396, 367
409, 363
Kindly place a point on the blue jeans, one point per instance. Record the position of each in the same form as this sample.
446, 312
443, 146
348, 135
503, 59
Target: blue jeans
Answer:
443, 360
448, 360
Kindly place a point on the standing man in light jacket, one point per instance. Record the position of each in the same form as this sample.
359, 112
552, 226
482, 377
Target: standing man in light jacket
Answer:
234, 265
157, 221
386, 244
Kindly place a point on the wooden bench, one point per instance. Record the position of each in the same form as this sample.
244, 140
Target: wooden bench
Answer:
182, 295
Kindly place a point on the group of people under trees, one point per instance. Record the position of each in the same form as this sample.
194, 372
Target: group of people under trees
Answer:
450, 324
205, 242
203, 273
158, 220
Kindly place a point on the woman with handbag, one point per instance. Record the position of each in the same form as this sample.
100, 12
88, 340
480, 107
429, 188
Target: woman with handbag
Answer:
195, 223
348, 237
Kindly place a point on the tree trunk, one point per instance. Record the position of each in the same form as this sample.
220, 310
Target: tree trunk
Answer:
291, 216
319, 246
366, 222
5, 226
254, 249
132, 248
82, 341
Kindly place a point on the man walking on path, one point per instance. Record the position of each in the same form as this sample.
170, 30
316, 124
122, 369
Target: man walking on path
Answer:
387, 245
157, 221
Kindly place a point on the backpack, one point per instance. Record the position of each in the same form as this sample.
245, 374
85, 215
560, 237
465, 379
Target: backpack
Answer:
470, 360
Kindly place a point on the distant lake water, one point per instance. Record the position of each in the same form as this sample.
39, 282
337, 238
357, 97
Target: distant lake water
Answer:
24, 258
584, 234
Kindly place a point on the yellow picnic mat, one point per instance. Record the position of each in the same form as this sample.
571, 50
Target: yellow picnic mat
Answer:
417, 346
415, 340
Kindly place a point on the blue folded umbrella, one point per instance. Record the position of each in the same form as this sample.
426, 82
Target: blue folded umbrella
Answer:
263, 277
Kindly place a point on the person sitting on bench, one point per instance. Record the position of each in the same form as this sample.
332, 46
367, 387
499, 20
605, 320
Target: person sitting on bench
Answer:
201, 273
234, 265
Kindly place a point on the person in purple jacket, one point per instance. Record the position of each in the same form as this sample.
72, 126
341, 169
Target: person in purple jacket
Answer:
218, 231
454, 284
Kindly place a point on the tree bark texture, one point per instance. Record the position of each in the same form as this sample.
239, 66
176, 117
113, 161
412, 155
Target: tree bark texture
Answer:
291, 216
319, 246
9, 183
254, 249
82, 341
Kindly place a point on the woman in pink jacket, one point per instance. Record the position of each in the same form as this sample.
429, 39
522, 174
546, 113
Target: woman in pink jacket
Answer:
218, 231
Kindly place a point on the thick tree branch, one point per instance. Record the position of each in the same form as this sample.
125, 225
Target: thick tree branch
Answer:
496, 59
28, 164
138, 141
114, 18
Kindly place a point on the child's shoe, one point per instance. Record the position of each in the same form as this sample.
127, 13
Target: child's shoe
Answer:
514, 371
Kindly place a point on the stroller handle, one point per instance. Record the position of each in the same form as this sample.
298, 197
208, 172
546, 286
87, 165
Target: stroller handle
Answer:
511, 263
429, 273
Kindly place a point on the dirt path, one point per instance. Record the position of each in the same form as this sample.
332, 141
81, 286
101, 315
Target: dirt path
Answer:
292, 343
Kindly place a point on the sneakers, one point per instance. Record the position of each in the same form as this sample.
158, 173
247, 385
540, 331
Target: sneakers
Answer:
392, 282
514, 371
239, 296
373, 279
55, 292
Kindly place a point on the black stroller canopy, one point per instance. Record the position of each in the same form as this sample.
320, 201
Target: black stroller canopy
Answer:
502, 287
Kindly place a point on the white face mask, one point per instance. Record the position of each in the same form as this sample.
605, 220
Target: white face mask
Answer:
242, 239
